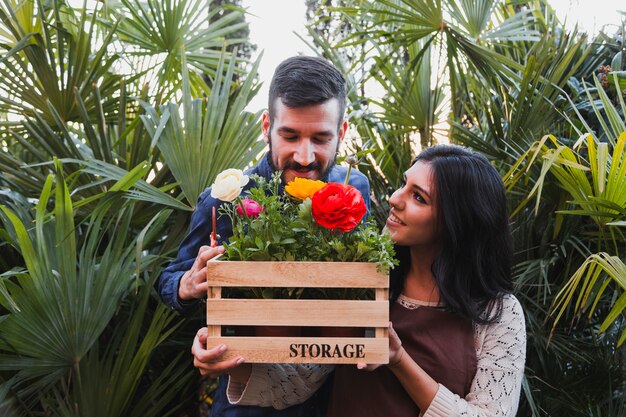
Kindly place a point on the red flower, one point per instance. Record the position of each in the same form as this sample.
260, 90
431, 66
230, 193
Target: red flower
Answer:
252, 208
338, 207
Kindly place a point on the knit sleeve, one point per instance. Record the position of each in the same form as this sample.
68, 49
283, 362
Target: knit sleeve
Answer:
501, 355
278, 385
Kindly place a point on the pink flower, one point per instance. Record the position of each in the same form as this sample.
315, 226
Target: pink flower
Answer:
252, 208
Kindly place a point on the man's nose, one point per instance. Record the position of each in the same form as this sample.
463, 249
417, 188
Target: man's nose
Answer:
304, 154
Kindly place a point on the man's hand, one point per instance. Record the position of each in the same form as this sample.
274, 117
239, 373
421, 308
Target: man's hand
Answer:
396, 352
193, 283
206, 360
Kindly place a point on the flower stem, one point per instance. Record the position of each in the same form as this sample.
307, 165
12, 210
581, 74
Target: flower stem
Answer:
348, 175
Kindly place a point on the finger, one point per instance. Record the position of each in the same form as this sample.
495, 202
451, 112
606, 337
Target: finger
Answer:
199, 257
198, 347
392, 331
217, 368
203, 249
210, 253
199, 275
204, 355
190, 289
366, 367
201, 288
394, 339
202, 335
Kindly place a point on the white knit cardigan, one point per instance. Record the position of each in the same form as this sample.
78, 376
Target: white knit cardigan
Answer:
495, 391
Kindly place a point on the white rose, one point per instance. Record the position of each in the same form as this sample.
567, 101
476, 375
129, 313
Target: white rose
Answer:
228, 184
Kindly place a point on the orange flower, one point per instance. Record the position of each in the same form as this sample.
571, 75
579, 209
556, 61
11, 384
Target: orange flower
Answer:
303, 188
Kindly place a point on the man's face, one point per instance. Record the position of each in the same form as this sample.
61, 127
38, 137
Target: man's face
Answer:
304, 141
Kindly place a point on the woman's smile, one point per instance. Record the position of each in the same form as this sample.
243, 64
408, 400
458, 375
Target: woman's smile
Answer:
393, 220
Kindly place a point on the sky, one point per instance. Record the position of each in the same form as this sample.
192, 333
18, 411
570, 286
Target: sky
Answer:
273, 23
591, 14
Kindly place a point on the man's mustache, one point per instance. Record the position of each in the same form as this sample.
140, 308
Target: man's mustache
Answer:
302, 168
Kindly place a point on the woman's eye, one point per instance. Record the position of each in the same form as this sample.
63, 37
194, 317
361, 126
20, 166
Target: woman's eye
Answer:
418, 197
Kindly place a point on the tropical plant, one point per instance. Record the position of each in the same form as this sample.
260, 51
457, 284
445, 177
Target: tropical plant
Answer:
216, 133
59, 339
597, 190
81, 104
580, 193
154, 36
73, 106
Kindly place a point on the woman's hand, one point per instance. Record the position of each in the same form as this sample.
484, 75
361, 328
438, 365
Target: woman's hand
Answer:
396, 352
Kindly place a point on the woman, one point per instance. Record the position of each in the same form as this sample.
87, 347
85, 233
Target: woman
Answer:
457, 340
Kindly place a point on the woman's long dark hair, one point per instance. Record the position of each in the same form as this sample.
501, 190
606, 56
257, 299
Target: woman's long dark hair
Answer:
473, 269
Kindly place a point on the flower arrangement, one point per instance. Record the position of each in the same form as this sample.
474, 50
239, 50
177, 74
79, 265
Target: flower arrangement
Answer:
309, 221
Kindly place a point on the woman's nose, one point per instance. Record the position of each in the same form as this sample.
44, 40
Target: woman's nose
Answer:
395, 201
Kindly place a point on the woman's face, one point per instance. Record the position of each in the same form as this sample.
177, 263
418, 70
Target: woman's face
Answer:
412, 218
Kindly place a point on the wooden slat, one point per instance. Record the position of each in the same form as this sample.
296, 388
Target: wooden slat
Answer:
214, 293
317, 350
306, 275
382, 294
346, 313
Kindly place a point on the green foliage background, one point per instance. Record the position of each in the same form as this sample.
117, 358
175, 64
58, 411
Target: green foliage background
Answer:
114, 119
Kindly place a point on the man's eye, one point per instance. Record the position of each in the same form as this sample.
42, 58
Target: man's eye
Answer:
322, 141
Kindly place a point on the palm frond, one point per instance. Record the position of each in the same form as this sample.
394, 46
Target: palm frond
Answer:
213, 134
58, 298
591, 281
47, 68
162, 29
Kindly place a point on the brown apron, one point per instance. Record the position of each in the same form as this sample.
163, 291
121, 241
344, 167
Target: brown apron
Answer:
441, 343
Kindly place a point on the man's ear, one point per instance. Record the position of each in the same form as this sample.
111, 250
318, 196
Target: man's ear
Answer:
343, 129
265, 126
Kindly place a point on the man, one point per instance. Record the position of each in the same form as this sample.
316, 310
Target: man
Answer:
304, 127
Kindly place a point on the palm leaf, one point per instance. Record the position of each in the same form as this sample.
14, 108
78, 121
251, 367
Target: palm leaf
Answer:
612, 122
52, 65
162, 29
120, 365
591, 280
216, 133
130, 182
59, 298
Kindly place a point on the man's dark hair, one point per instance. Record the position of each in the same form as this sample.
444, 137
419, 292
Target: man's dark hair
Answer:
473, 269
302, 81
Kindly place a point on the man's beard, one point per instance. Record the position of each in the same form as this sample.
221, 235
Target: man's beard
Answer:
293, 165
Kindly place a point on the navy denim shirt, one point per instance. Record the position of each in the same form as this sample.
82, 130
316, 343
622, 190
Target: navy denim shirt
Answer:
199, 235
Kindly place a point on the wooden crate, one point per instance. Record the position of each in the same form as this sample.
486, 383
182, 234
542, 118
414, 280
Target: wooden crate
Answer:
299, 312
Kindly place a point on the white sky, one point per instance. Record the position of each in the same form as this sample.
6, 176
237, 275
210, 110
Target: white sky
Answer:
272, 23
591, 15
